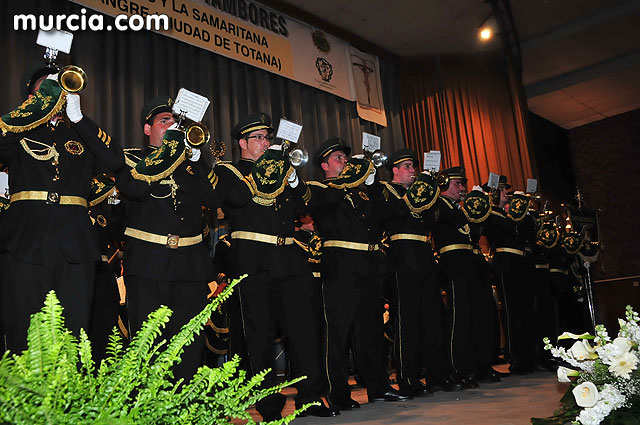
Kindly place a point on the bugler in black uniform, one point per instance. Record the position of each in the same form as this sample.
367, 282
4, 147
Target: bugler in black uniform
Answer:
165, 259
279, 278
46, 240
417, 308
348, 218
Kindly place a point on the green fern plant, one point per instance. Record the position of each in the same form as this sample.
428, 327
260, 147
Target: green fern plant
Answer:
55, 381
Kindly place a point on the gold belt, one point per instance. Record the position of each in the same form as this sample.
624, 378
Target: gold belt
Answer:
316, 274
408, 237
477, 251
357, 246
261, 237
170, 241
49, 197
558, 271
455, 247
510, 251
542, 266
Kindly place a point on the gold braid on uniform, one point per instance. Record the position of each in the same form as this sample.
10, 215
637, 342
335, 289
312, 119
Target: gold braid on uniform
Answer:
48, 151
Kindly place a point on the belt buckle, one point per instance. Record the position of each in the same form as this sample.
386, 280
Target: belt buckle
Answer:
280, 240
173, 241
53, 198
371, 247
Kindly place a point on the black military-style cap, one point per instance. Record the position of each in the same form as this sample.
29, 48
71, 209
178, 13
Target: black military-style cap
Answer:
330, 146
455, 173
34, 72
155, 106
246, 125
503, 182
402, 155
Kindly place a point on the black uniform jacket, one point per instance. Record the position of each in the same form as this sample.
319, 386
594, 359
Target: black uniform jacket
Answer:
170, 206
407, 253
451, 228
350, 215
274, 217
81, 153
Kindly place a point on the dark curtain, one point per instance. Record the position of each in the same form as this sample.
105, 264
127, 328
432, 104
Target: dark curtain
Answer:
127, 68
469, 109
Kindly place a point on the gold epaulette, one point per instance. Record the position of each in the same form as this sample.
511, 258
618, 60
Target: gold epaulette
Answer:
317, 183
391, 189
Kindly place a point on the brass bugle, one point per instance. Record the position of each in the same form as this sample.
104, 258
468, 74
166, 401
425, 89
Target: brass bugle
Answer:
379, 158
197, 135
72, 79
298, 157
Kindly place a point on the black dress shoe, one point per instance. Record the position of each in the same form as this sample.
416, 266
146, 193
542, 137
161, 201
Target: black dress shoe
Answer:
343, 404
469, 382
390, 395
320, 411
447, 384
489, 375
421, 390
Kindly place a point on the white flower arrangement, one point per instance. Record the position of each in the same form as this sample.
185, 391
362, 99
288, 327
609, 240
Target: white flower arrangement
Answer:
605, 379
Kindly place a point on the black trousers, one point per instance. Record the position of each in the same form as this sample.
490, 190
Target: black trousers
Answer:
104, 311
25, 287
418, 325
185, 299
292, 303
353, 307
516, 276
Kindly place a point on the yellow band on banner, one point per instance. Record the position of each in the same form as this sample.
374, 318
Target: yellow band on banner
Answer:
559, 271
542, 266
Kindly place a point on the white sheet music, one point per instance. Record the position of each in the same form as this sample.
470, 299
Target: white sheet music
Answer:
432, 160
192, 104
532, 185
494, 180
370, 142
288, 131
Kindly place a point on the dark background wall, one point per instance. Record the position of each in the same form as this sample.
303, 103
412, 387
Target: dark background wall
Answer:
603, 160
606, 159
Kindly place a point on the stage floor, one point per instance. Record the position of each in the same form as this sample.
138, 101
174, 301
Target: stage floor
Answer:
511, 402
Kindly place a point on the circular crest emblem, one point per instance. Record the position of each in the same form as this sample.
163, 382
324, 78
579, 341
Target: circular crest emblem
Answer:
548, 235
476, 206
571, 242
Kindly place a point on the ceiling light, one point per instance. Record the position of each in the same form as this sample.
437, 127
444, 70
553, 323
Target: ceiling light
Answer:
486, 33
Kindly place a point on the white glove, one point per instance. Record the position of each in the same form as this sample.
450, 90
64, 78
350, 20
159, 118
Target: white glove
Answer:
293, 179
174, 126
358, 156
73, 108
518, 192
53, 77
195, 154
370, 178
476, 187
275, 147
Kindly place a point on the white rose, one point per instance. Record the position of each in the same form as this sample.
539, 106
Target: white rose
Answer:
623, 344
623, 365
564, 373
586, 394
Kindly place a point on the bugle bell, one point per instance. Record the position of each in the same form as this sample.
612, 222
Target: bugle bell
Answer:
379, 158
197, 135
72, 79
298, 157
